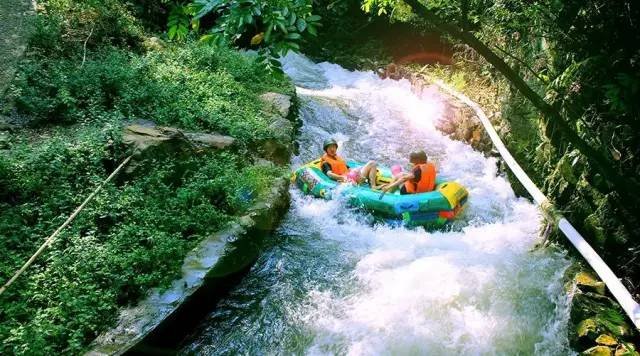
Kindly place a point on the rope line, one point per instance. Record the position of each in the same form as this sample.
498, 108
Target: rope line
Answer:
50, 239
617, 289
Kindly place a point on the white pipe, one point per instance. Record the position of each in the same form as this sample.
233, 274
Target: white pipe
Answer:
617, 289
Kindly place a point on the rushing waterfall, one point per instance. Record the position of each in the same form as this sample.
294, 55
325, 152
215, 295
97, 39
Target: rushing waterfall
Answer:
332, 281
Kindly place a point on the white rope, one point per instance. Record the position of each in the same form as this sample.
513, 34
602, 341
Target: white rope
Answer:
50, 239
617, 289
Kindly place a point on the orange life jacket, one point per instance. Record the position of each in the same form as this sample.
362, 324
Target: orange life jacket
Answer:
338, 165
427, 180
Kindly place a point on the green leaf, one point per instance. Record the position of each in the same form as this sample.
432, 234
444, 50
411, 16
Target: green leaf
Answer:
282, 27
207, 38
301, 25
312, 30
267, 33
313, 18
206, 6
293, 45
172, 32
293, 36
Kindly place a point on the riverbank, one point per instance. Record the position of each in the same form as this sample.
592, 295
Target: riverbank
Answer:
90, 70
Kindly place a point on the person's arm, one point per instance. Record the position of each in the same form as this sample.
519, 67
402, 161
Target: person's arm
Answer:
398, 182
326, 169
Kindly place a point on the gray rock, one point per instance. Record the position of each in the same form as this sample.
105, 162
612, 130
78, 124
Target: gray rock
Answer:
282, 129
277, 103
150, 142
210, 140
143, 137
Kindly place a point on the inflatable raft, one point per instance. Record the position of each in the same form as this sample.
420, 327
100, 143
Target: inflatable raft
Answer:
437, 207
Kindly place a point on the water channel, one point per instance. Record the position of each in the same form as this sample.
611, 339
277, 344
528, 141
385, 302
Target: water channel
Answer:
334, 281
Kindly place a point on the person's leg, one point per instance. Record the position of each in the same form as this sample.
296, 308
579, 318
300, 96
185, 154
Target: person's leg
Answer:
364, 172
370, 171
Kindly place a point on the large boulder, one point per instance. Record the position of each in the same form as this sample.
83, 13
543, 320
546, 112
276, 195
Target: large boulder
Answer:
277, 103
142, 137
149, 142
279, 147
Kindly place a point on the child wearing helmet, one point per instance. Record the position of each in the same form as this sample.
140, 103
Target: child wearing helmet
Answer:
336, 168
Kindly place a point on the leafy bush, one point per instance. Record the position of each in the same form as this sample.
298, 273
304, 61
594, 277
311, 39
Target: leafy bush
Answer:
273, 26
196, 87
133, 237
64, 26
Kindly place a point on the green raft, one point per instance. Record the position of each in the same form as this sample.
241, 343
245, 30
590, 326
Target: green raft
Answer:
437, 207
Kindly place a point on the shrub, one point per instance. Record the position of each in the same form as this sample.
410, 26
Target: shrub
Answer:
133, 237
197, 87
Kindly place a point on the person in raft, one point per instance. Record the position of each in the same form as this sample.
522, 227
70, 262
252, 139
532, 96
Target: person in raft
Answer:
421, 179
336, 168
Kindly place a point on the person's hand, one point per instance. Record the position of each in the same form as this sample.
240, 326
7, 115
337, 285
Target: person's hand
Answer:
385, 188
342, 179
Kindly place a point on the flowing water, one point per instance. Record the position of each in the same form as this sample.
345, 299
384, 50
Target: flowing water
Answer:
333, 281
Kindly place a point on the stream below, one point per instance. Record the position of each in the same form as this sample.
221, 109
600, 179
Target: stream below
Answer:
332, 280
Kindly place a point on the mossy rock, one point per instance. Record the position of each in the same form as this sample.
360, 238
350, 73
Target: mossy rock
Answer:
594, 315
588, 330
606, 340
587, 282
598, 351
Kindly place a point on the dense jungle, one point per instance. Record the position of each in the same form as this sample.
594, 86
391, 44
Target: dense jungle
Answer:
559, 80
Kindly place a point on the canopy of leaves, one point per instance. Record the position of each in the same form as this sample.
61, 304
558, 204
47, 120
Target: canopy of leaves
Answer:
273, 27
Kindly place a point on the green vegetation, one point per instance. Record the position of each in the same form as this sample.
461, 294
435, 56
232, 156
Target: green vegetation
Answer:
194, 87
273, 27
90, 69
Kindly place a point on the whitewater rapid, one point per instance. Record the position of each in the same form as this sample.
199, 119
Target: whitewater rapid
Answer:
332, 281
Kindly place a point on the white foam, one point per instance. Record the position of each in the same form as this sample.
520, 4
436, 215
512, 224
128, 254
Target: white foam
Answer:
462, 292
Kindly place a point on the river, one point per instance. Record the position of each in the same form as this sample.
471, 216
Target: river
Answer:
332, 280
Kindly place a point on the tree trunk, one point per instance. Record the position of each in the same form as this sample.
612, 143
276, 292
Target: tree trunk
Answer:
625, 187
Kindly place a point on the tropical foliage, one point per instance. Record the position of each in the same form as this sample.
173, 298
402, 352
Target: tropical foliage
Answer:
272, 27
